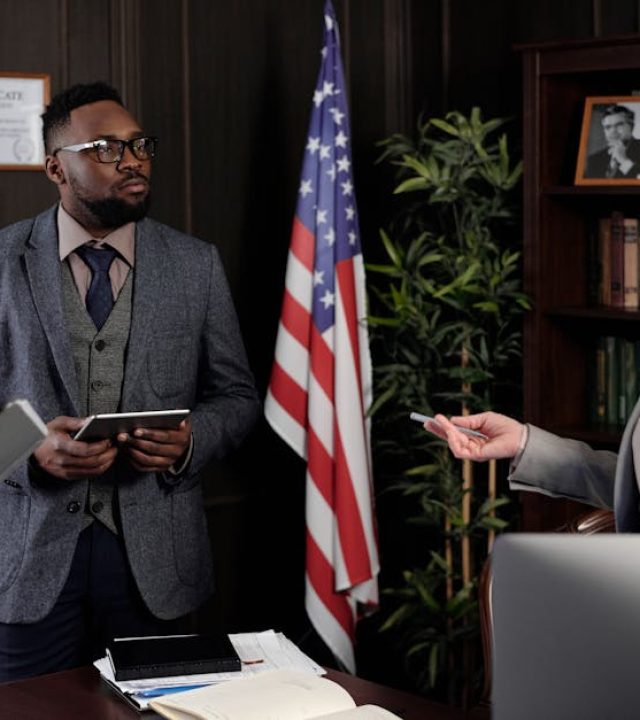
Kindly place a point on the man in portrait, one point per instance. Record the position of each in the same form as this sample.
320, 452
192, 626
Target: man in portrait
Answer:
620, 158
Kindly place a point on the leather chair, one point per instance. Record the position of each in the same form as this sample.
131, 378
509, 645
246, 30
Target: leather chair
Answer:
594, 521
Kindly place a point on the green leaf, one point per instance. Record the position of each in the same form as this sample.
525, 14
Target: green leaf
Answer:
434, 661
397, 617
494, 523
488, 306
422, 470
381, 400
491, 504
392, 251
445, 127
384, 269
411, 185
383, 321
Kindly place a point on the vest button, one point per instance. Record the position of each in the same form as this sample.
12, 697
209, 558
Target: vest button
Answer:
73, 507
96, 384
100, 345
97, 507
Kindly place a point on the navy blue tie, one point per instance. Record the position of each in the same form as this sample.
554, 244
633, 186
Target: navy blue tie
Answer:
99, 300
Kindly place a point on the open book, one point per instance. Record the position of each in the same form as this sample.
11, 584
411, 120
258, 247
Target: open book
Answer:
277, 695
21, 431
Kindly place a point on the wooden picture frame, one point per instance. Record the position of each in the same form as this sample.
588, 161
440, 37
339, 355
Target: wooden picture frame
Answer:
23, 98
609, 152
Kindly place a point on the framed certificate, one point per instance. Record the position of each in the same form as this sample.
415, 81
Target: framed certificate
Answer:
23, 97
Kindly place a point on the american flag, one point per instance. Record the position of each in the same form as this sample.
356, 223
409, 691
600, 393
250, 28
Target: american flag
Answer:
320, 385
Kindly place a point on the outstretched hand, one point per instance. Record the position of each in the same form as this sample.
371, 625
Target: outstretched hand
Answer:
503, 435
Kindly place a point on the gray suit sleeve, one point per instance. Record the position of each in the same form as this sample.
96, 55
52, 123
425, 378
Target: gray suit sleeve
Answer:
559, 467
227, 400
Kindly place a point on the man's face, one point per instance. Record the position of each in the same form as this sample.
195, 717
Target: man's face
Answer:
617, 128
101, 196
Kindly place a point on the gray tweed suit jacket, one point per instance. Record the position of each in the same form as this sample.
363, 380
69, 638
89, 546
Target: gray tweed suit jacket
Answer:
568, 468
185, 350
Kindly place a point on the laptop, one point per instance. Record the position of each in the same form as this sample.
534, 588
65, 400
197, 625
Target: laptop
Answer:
566, 627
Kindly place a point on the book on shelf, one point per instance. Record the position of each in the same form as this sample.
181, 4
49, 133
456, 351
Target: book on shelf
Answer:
613, 269
278, 694
617, 259
21, 431
599, 382
594, 264
614, 380
612, 366
630, 234
628, 377
604, 261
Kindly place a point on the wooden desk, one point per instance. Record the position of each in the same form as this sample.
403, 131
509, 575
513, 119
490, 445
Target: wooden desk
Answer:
80, 695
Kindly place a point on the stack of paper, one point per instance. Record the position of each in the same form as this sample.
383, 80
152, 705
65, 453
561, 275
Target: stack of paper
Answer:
258, 651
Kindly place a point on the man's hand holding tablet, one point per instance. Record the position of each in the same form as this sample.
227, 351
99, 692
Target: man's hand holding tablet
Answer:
109, 425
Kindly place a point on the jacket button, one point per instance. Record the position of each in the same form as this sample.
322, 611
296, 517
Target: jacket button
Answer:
96, 384
73, 506
97, 507
100, 345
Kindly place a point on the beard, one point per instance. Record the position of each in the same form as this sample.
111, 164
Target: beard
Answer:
114, 212
109, 212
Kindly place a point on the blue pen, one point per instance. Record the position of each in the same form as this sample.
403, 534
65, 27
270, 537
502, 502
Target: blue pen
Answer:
160, 691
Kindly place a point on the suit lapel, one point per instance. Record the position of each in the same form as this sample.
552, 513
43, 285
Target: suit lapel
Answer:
43, 267
147, 283
626, 492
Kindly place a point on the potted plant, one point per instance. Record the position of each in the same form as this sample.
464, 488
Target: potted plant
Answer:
446, 307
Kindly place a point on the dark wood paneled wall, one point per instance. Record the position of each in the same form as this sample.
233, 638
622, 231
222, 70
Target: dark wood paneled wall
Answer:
227, 87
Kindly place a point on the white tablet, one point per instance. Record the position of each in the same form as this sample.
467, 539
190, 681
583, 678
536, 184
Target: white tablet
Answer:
106, 425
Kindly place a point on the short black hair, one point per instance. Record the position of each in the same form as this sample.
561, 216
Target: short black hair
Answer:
626, 112
58, 111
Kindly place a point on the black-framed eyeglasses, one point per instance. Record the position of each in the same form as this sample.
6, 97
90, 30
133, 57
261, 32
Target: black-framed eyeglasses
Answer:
109, 150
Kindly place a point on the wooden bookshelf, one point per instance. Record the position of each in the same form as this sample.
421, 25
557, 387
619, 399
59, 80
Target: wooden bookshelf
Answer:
560, 332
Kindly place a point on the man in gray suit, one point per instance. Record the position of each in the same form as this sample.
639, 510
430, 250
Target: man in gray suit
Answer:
554, 466
104, 310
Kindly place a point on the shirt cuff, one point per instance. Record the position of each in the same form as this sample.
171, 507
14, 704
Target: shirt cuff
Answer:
179, 469
523, 442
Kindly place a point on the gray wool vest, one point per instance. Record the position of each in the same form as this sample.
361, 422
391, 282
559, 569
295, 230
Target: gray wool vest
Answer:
99, 359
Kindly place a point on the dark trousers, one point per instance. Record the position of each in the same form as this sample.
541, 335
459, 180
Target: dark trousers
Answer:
98, 601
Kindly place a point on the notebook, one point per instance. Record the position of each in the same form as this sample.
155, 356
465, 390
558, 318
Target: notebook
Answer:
566, 627
21, 431
163, 656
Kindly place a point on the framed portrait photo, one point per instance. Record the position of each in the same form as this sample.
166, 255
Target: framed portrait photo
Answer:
23, 97
609, 151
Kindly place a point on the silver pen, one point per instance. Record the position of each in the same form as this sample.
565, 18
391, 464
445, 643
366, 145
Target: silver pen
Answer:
418, 417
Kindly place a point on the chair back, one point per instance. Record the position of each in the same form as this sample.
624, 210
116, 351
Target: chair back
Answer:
589, 523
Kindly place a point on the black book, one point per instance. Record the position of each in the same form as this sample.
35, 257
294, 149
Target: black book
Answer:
149, 657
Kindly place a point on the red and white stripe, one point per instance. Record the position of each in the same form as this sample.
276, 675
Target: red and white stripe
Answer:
319, 392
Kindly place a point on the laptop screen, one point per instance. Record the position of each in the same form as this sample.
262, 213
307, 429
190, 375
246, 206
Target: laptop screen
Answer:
566, 627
